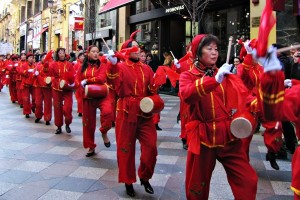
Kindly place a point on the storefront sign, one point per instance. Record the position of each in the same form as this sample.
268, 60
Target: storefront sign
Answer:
174, 9
255, 22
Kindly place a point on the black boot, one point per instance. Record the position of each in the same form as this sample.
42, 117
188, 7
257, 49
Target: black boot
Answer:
147, 186
157, 127
68, 130
184, 144
37, 120
27, 116
271, 158
79, 114
58, 130
47, 123
129, 190
178, 118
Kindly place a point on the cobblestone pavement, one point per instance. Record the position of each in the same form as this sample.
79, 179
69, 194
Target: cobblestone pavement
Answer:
37, 164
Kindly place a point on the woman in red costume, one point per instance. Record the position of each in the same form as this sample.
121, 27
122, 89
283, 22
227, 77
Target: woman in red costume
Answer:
43, 91
132, 81
2, 71
281, 104
27, 85
93, 71
11, 71
22, 62
79, 90
250, 72
61, 69
208, 131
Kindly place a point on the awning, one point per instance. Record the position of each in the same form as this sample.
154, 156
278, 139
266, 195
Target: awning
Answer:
39, 33
114, 4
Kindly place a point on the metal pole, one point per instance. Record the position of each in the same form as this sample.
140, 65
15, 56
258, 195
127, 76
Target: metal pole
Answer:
50, 32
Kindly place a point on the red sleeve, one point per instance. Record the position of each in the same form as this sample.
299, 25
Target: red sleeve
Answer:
193, 87
279, 104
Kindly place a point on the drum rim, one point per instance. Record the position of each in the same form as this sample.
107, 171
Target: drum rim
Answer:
48, 77
60, 83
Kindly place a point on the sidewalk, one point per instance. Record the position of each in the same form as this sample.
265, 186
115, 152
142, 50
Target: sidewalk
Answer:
37, 164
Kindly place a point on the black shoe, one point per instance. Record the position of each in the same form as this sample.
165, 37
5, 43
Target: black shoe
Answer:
90, 153
130, 190
68, 130
21, 106
184, 144
13, 101
178, 118
47, 123
157, 127
27, 115
271, 158
107, 144
147, 186
33, 110
79, 114
58, 131
257, 127
37, 120
113, 124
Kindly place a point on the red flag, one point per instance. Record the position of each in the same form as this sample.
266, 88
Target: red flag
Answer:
48, 57
162, 72
267, 21
187, 56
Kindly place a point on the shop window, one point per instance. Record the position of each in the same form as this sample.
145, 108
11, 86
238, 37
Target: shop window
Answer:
143, 6
148, 37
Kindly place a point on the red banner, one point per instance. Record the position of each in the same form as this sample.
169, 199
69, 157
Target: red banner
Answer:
78, 23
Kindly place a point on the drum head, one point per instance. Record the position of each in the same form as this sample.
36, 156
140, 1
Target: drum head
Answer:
62, 83
146, 105
48, 80
241, 127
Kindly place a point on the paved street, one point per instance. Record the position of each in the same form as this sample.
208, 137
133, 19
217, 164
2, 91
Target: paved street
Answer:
37, 164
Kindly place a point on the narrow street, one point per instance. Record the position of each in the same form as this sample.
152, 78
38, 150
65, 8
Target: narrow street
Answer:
37, 164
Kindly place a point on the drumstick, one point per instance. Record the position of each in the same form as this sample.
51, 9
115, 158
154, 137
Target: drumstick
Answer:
288, 48
172, 54
229, 49
277, 124
105, 43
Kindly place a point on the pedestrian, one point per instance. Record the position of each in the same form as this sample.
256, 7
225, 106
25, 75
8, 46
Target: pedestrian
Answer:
72, 57
281, 104
93, 72
11, 71
61, 69
250, 72
27, 85
156, 116
236, 62
43, 91
79, 90
2, 71
22, 62
209, 136
132, 81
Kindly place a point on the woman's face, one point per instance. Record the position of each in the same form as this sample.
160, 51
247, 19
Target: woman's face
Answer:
143, 57
148, 58
135, 55
81, 58
209, 55
61, 54
23, 57
236, 62
94, 53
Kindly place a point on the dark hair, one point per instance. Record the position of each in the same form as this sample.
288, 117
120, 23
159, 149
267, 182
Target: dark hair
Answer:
80, 54
208, 39
56, 58
79, 47
72, 54
149, 55
87, 60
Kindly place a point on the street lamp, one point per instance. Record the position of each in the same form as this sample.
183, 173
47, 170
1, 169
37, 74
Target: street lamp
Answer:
51, 6
81, 6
